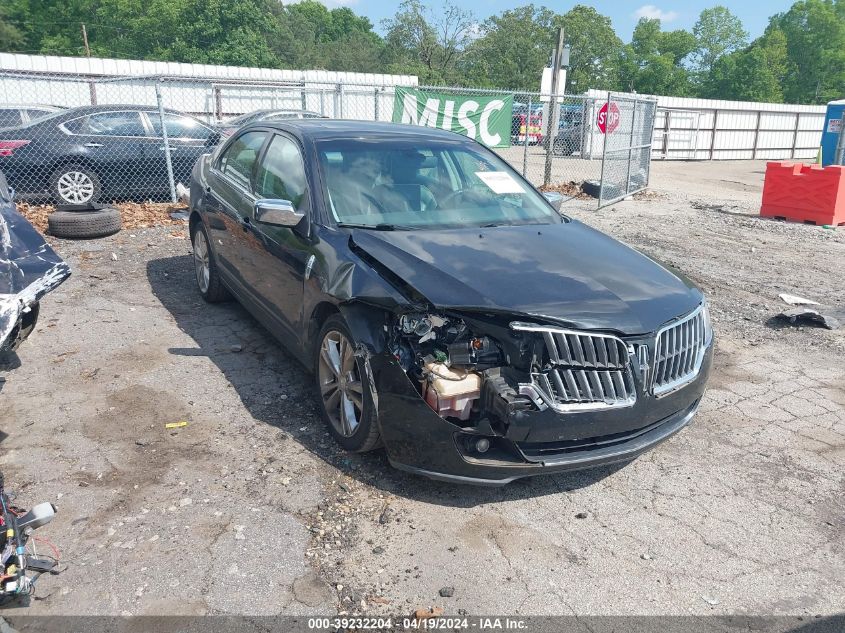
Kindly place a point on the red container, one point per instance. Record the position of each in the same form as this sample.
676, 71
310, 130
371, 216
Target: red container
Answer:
804, 193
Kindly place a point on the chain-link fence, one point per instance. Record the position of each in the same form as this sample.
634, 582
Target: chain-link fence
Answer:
628, 125
76, 138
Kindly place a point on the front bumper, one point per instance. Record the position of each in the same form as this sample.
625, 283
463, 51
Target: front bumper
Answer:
418, 440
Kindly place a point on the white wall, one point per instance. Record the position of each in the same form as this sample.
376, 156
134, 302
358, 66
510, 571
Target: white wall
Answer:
726, 130
200, 89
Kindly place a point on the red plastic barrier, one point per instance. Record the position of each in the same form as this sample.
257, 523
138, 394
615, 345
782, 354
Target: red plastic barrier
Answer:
804, 193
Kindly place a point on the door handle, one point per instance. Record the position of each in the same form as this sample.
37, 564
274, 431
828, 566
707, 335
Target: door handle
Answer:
93, 144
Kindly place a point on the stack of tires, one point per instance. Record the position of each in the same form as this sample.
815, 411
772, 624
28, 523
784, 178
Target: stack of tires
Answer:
83, 221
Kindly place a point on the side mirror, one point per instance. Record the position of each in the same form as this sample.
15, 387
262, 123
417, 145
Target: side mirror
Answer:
213, 139
277, 212
554, 198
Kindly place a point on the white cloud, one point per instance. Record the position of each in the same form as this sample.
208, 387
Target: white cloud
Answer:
654, 13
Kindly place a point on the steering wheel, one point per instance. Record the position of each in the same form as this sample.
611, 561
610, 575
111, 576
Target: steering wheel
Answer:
441, 204
375, 203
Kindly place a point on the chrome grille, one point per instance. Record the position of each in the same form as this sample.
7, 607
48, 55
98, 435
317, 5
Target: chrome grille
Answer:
585, 371
679, 351
575, 349
595, 388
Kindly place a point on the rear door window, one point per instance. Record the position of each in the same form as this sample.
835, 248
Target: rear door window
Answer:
238, 160
123, 123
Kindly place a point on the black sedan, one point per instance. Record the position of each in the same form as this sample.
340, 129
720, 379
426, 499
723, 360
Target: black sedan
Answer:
81, 155
448, 310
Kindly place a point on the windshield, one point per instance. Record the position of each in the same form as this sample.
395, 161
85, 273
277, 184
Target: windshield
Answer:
429, 184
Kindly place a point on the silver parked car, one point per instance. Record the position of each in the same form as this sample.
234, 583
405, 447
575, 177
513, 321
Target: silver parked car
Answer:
21, 114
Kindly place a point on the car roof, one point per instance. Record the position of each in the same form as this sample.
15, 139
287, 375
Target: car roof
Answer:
115, 107
337, 129
31, 106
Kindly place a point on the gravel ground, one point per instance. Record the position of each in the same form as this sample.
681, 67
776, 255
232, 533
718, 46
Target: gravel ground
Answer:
251, 509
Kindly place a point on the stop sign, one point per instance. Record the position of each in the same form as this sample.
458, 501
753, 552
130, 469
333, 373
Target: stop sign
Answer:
608, 118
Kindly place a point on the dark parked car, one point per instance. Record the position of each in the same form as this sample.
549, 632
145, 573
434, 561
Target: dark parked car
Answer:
448, 310
570, 131
20, 114
81, 155
231, 126
29, 269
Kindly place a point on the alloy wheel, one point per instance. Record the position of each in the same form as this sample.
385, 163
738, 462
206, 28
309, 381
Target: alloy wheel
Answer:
202, 264
340, 383
75, 187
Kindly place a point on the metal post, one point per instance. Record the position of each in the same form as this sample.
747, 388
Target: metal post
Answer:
525, 141
166, 147
304, 97
756, 135
795, 134
322, 102
603, 157
631, 146
713, 135
218, 104
336, 104
376, 101
666, 129
551, 130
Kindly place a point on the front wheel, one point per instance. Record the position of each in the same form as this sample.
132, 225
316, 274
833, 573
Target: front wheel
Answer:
205, 267
346, 403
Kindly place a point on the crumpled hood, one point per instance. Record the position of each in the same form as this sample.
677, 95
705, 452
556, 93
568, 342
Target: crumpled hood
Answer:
29, 268
568, 272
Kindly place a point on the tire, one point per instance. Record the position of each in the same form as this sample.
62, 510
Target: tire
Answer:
208, 280
591, 188
563, 148
84, 224
364, 435
76, 185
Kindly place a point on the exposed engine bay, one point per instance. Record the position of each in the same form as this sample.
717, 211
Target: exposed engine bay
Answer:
464, 374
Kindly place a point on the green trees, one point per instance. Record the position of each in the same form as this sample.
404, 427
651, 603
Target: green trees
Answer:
513, 48
653, 63
428, 42
753, 74
717, 32
815, 50
799, 58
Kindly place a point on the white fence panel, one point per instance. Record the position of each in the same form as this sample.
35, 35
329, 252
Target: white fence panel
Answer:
731, 130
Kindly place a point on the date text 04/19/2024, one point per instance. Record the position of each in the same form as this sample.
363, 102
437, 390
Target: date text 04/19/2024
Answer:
414, 624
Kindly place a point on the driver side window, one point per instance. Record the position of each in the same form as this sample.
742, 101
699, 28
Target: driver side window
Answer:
281, 174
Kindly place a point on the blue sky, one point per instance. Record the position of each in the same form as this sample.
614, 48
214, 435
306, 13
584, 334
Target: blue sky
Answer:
675, 14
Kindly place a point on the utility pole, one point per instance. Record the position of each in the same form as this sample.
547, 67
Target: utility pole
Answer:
554, 114
85, 40
92, 89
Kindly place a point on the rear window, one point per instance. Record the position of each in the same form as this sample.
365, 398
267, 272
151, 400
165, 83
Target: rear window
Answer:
9, 117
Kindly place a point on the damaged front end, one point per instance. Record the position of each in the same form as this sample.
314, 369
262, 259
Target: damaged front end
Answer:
487, 398
29, 269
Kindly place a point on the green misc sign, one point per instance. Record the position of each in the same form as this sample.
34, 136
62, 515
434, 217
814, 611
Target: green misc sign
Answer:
486, 119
